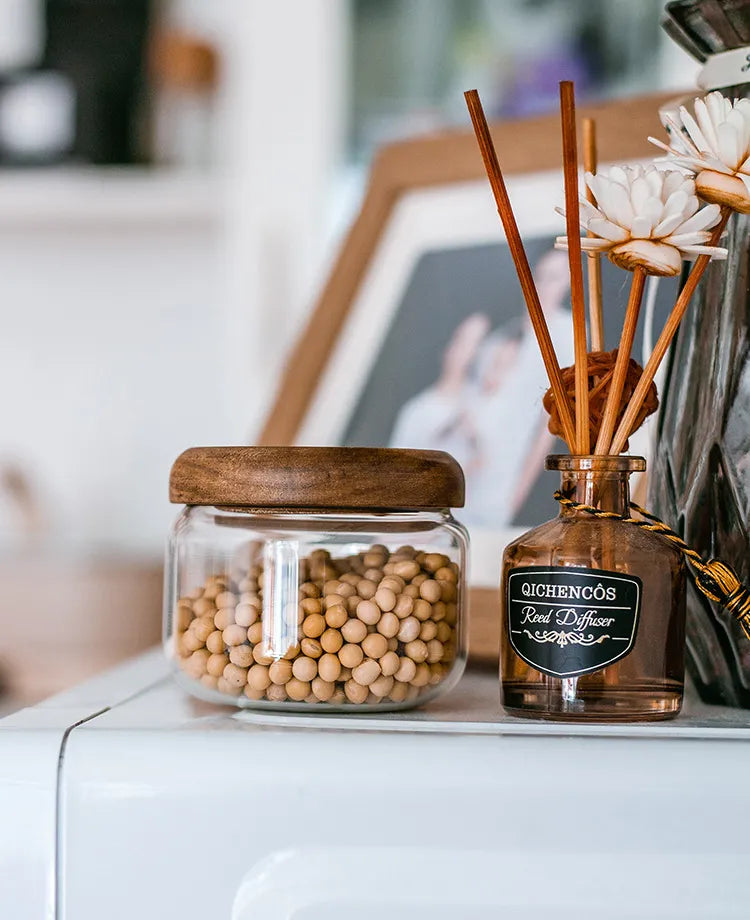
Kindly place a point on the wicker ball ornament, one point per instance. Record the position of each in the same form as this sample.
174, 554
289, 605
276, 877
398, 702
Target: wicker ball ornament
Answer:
601, 365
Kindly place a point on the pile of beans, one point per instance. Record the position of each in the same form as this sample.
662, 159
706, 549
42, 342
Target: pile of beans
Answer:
376, 627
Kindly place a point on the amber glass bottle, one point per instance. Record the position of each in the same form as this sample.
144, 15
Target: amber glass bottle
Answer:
593, 613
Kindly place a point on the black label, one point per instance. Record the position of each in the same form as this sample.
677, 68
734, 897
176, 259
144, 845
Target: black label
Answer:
567, 621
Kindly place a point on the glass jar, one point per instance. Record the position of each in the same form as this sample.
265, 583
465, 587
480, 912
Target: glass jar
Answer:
593, 613
323, 577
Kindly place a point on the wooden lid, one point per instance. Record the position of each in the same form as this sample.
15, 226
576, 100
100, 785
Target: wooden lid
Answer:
317, 477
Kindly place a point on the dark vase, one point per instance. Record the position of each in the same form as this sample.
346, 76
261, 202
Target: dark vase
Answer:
701, 481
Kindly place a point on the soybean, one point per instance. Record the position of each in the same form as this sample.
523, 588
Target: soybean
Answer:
364, 628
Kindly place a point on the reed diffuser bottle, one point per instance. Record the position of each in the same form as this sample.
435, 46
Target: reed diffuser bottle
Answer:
593, 614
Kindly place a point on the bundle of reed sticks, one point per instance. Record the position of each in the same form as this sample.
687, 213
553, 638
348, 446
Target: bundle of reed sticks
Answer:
623, 408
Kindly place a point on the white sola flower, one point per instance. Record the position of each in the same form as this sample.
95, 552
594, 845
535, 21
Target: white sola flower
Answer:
646, 218
714, 146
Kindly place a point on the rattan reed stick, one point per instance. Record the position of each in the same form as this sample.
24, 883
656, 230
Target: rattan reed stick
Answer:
570, 173
624, 349
593, 259
521, 262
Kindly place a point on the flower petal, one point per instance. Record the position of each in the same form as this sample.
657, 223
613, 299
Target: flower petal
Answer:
718, 106
657, 143
707, 123
615, 203
676, 203
688, 239
710, 162
695, 164
679, 136
692, 205
742, 108
655, 181
702, 220
653, 209
668, 225
716, 252
729, 145
619, 175
696, 135
639, 194
741, 124
608, 230
674, 182
587, 211
641, 228
598, 185
594, 244
587, 243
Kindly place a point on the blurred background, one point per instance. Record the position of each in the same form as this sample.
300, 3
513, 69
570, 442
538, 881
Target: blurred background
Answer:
174, 178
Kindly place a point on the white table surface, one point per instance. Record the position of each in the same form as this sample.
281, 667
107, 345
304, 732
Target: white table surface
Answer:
115, 793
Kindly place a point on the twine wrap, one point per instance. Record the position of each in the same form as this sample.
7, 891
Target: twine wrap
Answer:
601, 366
715, 579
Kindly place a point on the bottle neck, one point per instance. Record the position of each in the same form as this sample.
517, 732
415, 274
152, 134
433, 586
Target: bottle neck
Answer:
604, 490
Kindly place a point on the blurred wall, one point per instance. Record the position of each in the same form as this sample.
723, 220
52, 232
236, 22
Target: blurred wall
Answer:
111, 357
147, 309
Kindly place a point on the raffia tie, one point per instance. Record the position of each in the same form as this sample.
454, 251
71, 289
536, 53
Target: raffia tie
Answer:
601, 366
715, 579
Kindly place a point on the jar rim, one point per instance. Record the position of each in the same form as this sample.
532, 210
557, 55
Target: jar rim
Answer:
595, 463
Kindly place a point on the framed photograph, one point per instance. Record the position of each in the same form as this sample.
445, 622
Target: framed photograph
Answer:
421, 337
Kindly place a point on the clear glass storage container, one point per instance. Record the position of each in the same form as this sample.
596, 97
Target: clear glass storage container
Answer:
325, 577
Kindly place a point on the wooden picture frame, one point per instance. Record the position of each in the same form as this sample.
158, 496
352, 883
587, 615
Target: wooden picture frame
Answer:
450, 158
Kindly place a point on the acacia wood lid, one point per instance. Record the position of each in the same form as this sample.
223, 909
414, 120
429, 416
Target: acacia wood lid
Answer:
317, 477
